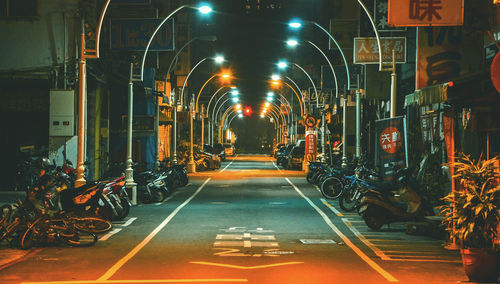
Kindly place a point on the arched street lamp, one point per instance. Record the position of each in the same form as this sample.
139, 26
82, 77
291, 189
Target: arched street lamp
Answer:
210, 118
283, 65
85, 54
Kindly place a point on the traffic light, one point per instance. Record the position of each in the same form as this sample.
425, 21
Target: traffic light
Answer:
247, 111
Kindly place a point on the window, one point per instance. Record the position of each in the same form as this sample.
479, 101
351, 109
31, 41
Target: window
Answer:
18, 8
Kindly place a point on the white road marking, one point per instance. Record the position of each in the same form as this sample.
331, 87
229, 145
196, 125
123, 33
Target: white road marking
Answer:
129, 221
377, 251
144, 242
227, 165
109, 234
346, 240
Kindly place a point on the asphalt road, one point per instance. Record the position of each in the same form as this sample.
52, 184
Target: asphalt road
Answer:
247, 222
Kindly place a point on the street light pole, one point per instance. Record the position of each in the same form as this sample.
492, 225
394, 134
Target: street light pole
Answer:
82, 94
129, 178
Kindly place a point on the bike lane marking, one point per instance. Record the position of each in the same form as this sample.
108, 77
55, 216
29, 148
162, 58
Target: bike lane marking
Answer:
144, 242
346, 240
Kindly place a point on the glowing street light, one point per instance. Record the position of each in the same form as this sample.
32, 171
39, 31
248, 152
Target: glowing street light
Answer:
235, 99
235, 93
270, 94
292, 42
282, 65
295, 24
205, 9
275, 77
269, 99
219, 59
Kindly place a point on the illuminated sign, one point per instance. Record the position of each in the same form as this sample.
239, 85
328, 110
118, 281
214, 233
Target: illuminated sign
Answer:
426, 13
134, 34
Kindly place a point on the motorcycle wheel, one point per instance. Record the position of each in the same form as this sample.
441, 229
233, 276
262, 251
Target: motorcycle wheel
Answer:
125, 208
158, 195
373, 217
332, 188
92, 224
184, 180
144, 194
348, 200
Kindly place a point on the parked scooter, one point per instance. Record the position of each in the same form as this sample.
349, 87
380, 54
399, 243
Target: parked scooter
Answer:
387, 202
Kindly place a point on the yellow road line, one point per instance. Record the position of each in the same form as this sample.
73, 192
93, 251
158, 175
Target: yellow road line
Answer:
217, 280
245, 267
346, 240
144, 242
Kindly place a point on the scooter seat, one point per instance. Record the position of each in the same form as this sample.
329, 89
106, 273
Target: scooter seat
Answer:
383, 186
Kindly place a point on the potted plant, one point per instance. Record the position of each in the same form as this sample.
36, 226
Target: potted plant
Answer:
472, 216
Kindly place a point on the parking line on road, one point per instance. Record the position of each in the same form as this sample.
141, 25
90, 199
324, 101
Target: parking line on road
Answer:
346, 240
129, 221
108, 235
144, 242
334, 210
227, 165
362, 238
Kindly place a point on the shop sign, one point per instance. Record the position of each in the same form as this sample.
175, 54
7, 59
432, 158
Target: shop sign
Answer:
390, 146
366, 50
411, 13
310, 151
134, 34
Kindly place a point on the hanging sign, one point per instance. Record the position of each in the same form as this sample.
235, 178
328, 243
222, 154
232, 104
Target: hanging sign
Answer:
310, 147
366, 50
411, 13
390, 145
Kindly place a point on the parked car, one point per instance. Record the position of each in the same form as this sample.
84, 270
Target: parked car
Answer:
295, 158
229, 149
215, 151
275, 150
282, 153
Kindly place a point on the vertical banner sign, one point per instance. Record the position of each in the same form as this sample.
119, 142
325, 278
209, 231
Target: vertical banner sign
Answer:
410, 13
380, 16
310, 151
390, 145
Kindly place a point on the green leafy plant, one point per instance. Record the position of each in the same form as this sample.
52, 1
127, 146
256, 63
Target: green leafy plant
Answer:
472, 213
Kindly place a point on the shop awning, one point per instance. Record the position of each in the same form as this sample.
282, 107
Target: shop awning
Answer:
428, 95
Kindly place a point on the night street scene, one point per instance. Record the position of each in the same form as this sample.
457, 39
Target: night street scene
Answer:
249, 141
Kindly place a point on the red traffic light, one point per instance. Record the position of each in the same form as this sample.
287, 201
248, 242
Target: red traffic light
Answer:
247, 111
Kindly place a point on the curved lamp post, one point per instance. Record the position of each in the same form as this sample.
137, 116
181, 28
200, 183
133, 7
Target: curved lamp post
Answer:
210, 141
85, 53
191, 166
210, 118
284, 65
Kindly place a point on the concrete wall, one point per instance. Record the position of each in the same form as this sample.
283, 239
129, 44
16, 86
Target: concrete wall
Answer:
40, 40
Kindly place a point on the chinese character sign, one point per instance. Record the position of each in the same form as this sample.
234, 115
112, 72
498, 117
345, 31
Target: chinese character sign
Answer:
366, 50
310, 151
390, 147
380, 11
426, 12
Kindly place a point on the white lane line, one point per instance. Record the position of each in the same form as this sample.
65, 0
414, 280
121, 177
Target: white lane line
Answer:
129, 221
360, 236
279, 170
144, 242
333, 209
108, 235
346, 240
317, 188
227, 165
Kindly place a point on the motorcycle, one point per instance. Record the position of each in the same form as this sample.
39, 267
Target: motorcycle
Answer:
387, 202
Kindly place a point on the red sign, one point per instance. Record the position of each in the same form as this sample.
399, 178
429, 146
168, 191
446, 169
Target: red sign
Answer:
410, 13
495, 72
310, 151
390, 140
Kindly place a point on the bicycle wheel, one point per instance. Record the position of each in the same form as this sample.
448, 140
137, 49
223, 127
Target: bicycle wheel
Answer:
349, 200
32, 234
75, 238
92, 224
332, 188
